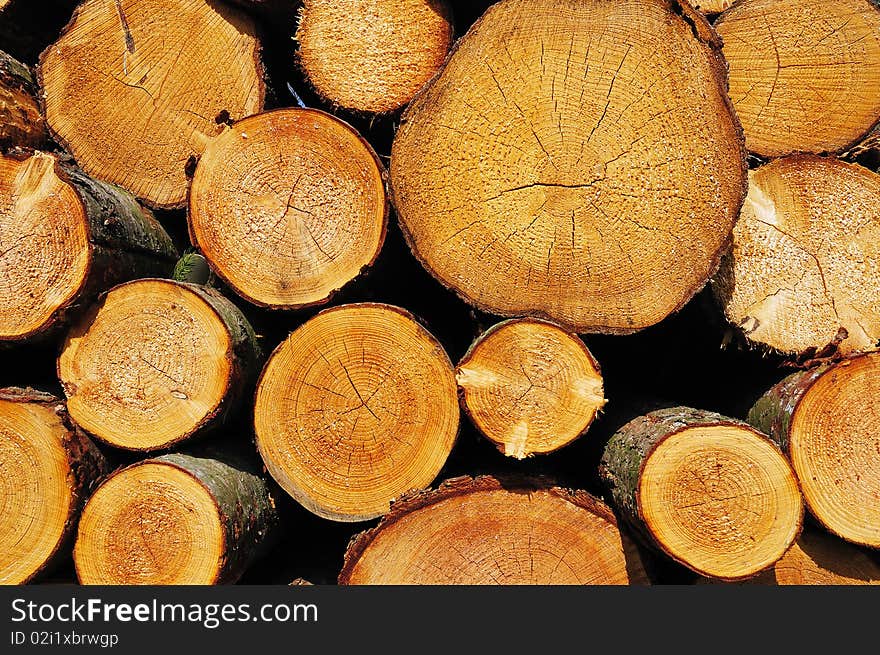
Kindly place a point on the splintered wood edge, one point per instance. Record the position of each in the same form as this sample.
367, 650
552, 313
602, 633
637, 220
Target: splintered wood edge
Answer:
212, 414
41, 98
727, 422
383, 174
705, 34
222, 546
466, 358
21, 155
464, 485
304, 498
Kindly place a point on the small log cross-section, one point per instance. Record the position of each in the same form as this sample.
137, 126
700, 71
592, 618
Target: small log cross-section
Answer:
65, 238
577, 160
135, 88
20, 121
175, 519
709, 491
804, 76
529, 386
356, 408
828, 421
48, 468
485, 531
155, 362
372, 55
288, 206
803, 275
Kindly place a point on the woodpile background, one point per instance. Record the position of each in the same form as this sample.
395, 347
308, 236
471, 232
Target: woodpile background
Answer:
440, 292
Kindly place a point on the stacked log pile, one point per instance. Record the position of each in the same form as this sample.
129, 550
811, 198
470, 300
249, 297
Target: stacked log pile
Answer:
440, 292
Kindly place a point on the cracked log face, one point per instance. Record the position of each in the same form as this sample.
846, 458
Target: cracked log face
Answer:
482, 531
709, 491
153, 362
288, 206
135, 88
574, 160
355, 408
530, 387
804, 76
803, 274
372, 55
44, 477
46, 254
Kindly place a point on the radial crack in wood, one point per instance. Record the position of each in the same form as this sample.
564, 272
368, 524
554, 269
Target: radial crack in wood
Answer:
485, 531
155, 362
530, 387
357, 407
574, 160
803, 274
288, 206
804, 76
133, 88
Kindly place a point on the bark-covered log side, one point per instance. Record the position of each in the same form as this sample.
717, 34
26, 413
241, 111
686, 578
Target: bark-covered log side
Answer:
88, 466
127, 243
772, 413
245, 353
21, 124
247, 509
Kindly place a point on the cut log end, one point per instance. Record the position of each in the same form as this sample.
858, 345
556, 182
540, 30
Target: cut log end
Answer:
805, 261
357, 407
46, 471
133, 89
482, 531
46, 249
289, 206
151, 524
152, 363
530, 387
372, 56
175, 519
709, 491
597, 170
721, 499
804, 77
834, 446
